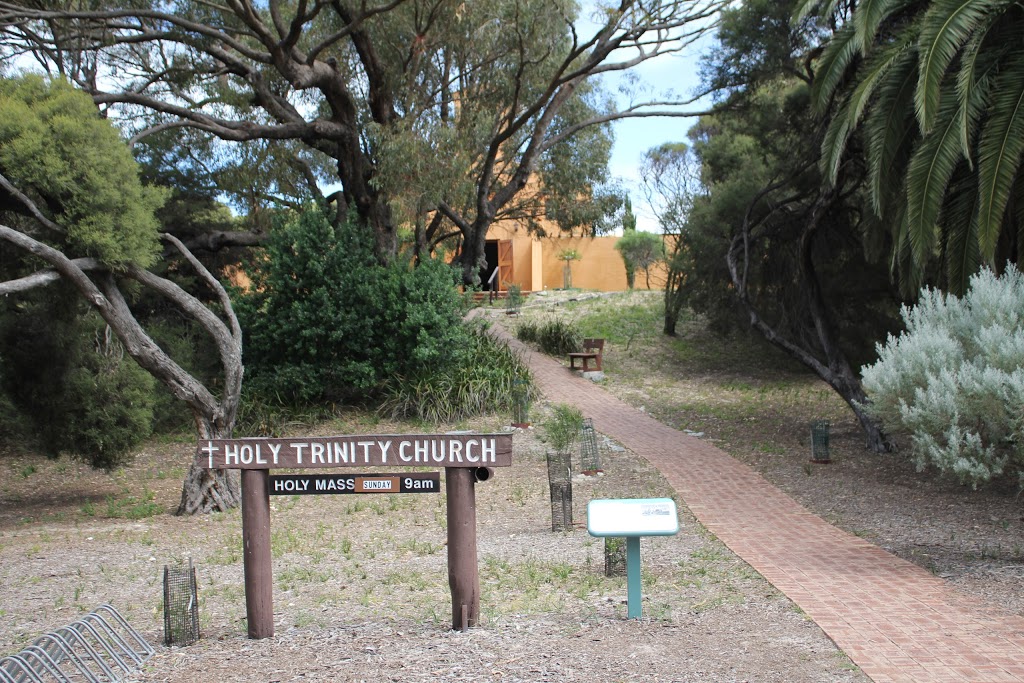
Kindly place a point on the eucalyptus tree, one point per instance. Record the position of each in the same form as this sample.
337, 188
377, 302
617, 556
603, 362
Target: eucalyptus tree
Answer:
72, 204
419, 106
935, 90
763, 239
670, 180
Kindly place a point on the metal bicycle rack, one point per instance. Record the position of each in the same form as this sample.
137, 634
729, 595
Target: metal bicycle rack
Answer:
101, 647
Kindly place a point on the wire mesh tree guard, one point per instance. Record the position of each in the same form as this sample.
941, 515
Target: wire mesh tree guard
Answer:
181, 605
819, 442
590, 454
522, 402
560, 484
614, 556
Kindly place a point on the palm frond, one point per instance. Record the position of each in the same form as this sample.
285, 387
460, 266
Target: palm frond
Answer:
874, 71
908, 274
836, 59
972, 87
806, 7
945, 28
979, 63
960, 221
890, 128
833, 145
999, 151
928, 175
870, 15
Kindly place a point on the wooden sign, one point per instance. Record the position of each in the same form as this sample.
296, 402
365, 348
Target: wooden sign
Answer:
320, 484
467, 458
408, 450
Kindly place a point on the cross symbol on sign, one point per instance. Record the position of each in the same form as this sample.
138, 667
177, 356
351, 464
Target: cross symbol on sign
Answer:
210, 449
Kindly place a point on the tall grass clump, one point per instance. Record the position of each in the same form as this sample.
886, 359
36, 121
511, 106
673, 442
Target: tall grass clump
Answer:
489, 377
554, 337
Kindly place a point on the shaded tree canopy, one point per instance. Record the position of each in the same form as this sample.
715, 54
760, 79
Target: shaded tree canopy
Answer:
436, 108
765, 232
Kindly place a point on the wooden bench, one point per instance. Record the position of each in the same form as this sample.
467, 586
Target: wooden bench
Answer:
592, 350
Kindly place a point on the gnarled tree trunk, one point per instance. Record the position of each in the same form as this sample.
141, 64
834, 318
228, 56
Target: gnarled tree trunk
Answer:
834, 368
202, 491
205, 490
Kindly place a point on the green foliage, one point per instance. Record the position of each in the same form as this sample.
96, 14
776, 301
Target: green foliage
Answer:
568, 255
110, 408
955, 379
640, 251
528, 331
938, 88
555, 337
563, 427
325, 320
73, 384
628, 217
488, 377
56, 148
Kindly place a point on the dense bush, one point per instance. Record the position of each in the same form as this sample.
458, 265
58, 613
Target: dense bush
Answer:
69, 386
955, 378
324, 320
109, 408
487, 378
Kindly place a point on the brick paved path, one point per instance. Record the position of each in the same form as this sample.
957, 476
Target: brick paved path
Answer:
895, 620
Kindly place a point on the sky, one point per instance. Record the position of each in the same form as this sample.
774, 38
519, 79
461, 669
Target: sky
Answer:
635, 136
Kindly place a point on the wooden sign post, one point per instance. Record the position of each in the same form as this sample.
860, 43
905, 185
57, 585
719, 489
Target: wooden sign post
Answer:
467, 458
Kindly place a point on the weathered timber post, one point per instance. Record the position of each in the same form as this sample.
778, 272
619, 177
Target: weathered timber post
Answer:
256, 556
463, 573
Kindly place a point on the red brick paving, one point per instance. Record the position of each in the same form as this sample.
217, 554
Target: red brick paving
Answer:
895, 620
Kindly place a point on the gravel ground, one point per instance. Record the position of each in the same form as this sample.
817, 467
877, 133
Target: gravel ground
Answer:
361, 584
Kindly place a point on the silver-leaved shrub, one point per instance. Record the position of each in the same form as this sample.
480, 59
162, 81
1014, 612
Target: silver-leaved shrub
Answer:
955, 379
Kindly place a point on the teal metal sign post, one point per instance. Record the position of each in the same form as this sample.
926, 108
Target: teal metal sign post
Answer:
632, 518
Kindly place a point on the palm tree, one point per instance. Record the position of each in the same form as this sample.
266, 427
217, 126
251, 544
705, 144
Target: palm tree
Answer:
936, 89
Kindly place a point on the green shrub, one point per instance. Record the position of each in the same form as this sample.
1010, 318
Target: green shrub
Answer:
955, 379
324, 320
488, 378
109, 408
71, 381
528, 331
563, 428
559, 337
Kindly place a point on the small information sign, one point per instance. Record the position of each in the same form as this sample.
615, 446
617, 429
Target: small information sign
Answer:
321, 484
632, 517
